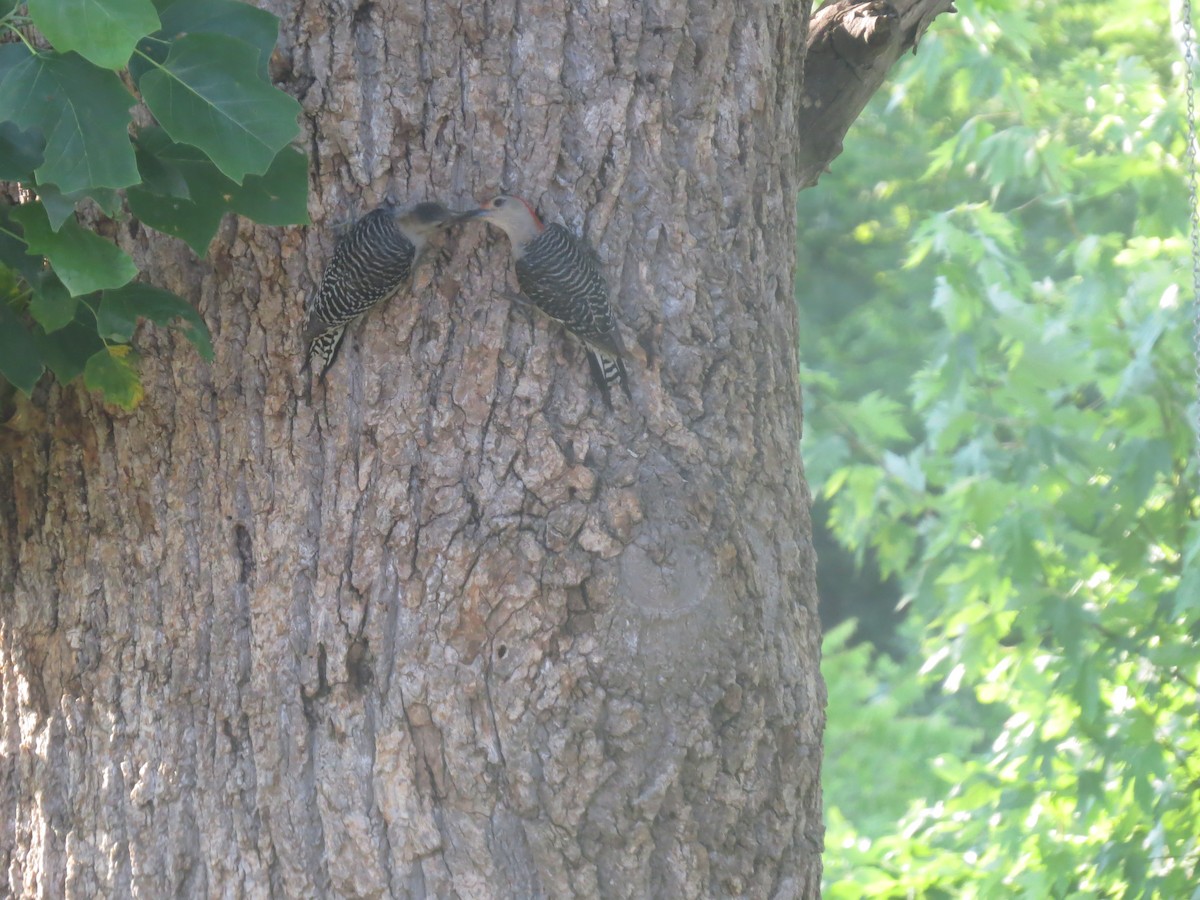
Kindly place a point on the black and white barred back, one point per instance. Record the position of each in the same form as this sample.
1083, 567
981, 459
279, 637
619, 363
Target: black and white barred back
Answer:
370, 263
560, 274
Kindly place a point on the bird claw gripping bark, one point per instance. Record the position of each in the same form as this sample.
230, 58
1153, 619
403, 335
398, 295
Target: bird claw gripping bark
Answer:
560, 275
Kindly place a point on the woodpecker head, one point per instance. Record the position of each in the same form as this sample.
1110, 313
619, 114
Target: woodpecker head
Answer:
515, 216
424, 218
419, 223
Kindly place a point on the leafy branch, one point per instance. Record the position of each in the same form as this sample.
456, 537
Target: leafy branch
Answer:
220, 140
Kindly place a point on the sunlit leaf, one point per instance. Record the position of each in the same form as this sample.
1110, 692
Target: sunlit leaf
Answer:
1052, 576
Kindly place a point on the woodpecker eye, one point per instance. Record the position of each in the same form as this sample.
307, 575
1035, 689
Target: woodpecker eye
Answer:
498, 202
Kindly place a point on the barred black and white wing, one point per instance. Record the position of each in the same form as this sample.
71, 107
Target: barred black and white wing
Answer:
560, 274
370, 263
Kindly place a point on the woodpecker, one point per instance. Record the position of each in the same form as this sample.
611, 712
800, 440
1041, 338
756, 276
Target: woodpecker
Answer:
561, 275
374, 259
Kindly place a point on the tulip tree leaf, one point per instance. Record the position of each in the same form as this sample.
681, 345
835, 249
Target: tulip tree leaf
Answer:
208, 94
66, 351
81, 110
278, 197
20, 361
52, 305
20, 152
120, 310
59, 205
111, 371
83, 260
103, 31
257, 27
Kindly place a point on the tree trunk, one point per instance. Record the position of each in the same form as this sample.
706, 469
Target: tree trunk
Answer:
453, 628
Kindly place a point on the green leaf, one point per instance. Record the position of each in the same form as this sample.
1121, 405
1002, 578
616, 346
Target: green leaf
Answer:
256, 27
52, 305
1048, 584
1187, 594
192, 221
82, 110
277, 198
84, 261
20, 361
6, 7
60, 206
66, 351
103, 31
111, 372
20, 152
120, 310
13, 250
208, 95
194, 218
160, 178
10, 284
905, 469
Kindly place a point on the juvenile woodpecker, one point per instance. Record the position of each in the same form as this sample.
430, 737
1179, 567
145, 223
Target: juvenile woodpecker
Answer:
561, 275
374, 259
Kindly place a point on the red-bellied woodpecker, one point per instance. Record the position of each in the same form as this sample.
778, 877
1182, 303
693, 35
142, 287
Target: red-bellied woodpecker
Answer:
561, 275
374, 259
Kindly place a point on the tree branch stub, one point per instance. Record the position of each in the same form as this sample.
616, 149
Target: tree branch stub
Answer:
852, 45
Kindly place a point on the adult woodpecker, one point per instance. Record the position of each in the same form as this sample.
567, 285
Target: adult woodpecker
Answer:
561, 275
374, 259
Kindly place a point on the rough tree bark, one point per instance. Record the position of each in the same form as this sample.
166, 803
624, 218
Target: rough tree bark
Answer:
453, 629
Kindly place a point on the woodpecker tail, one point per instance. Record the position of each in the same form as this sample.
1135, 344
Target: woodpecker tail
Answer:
607, 370
323, 350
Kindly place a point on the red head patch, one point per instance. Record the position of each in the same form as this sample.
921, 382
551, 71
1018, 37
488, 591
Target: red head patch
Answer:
533, 214
505, 199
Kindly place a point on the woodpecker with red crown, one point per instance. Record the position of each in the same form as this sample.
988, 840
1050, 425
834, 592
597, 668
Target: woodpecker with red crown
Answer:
561, 275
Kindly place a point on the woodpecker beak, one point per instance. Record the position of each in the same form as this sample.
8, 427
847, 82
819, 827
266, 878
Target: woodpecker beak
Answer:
473, 213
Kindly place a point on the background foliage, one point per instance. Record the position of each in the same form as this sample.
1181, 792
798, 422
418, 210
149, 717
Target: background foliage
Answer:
165, 108
1000, 389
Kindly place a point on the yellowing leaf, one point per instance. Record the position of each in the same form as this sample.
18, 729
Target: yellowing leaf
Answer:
111, 372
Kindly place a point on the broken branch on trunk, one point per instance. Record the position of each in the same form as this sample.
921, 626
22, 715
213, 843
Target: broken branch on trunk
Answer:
852, 44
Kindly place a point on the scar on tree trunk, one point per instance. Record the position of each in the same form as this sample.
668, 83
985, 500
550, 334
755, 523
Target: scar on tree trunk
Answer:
851, 46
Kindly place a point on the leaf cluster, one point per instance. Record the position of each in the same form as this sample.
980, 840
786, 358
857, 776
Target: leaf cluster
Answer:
1001, 415
71, 74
